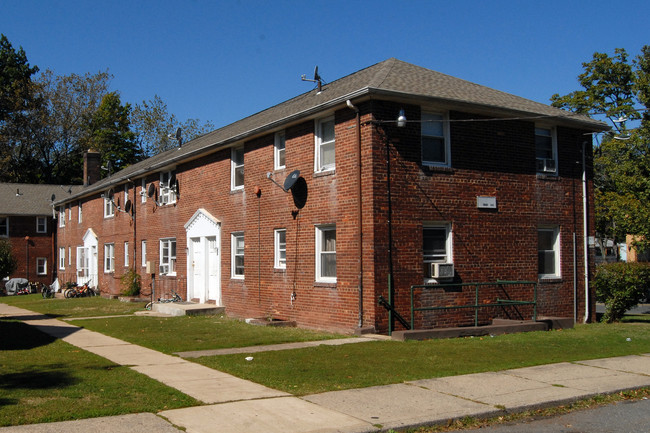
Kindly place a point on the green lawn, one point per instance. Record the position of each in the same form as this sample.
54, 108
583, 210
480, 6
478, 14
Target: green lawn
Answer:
46, 380
74, 307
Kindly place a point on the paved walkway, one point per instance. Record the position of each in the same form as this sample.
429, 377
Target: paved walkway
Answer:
234, 405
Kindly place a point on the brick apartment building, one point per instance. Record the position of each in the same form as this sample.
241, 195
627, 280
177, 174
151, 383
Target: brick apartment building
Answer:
471, 185
26, 221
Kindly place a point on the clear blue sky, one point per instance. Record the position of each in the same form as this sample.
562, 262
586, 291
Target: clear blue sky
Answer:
224, 60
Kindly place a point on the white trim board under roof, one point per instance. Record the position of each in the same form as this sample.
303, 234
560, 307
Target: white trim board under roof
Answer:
392, 79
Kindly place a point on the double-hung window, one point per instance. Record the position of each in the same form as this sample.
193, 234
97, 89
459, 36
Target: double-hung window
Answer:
437, 251
546, 150
280, 248
237, 168
109, 205
237, 255
143, 251
126, 254
4, 227
167, 187
435, 139
62, 258
326, 254
109, 258
80, 213
41, 266
325, 145
168, 256
61, 216
278, 150
41, 225
548, 252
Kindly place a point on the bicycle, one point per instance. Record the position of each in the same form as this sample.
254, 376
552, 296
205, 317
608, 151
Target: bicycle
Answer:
175, 298
79, 292
47, 292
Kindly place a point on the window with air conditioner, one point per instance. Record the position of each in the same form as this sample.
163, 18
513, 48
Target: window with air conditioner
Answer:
168, 256
436, 252
546, 150
167, 188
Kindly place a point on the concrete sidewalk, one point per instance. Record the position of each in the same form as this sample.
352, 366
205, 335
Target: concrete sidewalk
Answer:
236, 405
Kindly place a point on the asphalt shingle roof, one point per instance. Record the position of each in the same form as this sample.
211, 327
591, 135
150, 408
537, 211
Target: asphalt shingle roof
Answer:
390, 77
31, 199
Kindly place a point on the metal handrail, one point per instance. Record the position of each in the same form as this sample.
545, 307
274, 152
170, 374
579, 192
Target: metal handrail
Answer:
476, 306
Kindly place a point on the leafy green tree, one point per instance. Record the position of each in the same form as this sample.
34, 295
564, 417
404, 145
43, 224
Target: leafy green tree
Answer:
153, 124
618, 91
110, 133
7, 259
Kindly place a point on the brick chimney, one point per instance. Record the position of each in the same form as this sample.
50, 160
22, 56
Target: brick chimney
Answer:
92, 167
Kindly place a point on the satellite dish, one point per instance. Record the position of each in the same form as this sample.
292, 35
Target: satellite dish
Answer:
53, 197
172, 181
110, 194
291, 179
152, 190
127, 206
316, 76
178, 133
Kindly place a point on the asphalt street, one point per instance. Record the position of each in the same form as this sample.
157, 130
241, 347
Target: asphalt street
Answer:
622, 417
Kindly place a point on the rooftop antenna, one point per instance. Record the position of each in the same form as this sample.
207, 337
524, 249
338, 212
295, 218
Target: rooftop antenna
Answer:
177, 136
317, 79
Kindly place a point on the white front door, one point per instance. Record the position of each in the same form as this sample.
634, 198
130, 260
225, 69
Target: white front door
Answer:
87, 266
203, 264
198, 270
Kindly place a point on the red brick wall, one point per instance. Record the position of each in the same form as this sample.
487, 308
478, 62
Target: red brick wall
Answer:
38, 245
488, 158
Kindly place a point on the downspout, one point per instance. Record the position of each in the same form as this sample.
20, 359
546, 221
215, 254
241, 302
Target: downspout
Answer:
584, 232
359, 211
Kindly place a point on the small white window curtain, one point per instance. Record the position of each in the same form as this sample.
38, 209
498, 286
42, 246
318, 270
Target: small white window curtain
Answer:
326, 254
325, 145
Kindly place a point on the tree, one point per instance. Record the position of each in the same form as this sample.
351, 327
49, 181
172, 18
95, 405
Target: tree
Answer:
7, 259
153, 124
109, 133
16, 97
618, 91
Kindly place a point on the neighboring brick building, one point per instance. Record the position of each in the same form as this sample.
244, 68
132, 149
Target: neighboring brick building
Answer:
26, 221
484, 186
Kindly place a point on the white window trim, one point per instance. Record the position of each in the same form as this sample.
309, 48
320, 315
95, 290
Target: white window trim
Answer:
318, 167
171, 260
126, 254
6, 233
42, 260
109, 253
38, 220
553, 131
278, 262
80, 213
233, 254
446, 137
280, 138
167, 195
69, 206
234, 166
556, 251
449, 245
61, 216
320, 229
109, 206
143, 249
143, 191
69, 256
62, 258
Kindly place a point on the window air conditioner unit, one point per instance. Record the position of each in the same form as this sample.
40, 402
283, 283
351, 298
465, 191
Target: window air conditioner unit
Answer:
164, 269
442, 271
546, 165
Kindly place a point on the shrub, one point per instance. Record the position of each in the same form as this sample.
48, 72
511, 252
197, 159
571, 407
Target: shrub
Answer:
7, 259
620, 286
130, 283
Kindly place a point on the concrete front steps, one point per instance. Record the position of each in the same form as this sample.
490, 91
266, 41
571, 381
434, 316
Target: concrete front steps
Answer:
187, 309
